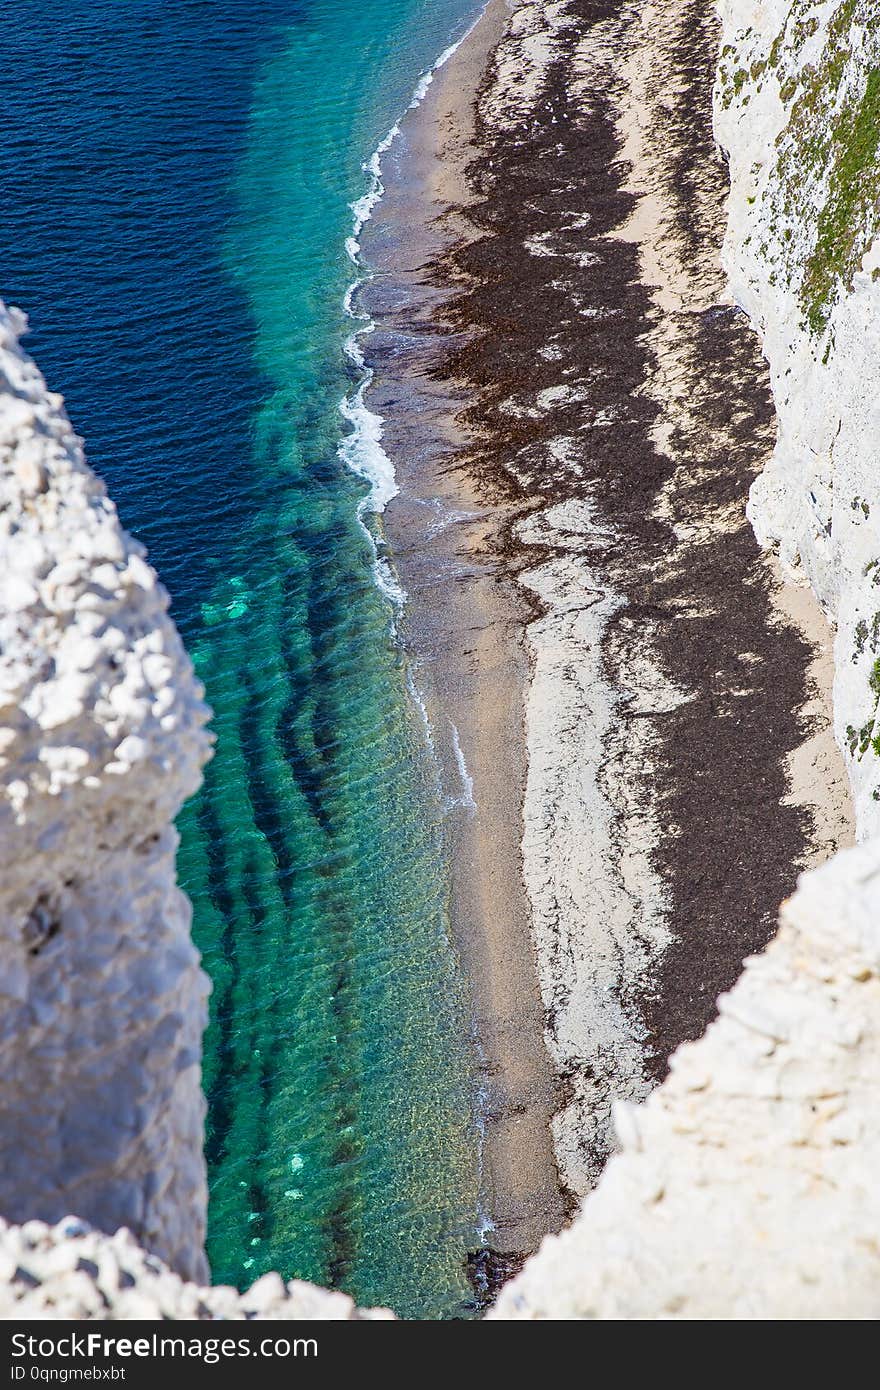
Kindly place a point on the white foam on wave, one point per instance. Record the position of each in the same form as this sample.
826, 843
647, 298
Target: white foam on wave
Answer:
419, 702
361, 449
444, 517
465, 797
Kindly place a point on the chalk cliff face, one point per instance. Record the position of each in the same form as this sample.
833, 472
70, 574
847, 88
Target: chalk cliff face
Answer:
797, 112
102, 1002
745, 1187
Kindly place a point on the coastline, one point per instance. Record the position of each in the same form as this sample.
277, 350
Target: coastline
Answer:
505, 796
642, 707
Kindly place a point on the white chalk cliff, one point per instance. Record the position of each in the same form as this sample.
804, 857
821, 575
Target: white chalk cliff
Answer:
102, 737
745, 1186
797, 113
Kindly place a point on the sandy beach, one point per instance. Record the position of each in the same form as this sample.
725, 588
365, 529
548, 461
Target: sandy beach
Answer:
463, 631
630, 708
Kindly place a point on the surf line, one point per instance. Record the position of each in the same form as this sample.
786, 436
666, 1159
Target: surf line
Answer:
361, 449
362, 453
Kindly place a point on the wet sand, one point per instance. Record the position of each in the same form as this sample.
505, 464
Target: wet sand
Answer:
576, 413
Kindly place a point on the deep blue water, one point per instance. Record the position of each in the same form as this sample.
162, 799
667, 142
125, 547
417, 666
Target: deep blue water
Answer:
176, 179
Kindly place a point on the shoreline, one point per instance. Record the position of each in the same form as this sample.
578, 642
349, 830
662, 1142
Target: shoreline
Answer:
560, 369
466, 652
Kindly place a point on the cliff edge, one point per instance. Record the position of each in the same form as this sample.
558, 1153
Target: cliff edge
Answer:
102, 738
744, 1187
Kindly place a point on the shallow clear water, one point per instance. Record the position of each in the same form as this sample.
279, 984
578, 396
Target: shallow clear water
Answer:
176, 181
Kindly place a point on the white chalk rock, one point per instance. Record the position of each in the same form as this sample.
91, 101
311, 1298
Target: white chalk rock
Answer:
795, 114
745, 1187
70, 1271
102, 1002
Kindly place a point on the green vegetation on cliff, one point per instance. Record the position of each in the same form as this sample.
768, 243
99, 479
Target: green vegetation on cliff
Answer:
823, 196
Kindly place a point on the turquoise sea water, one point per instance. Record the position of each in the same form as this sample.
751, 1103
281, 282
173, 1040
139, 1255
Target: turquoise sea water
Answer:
177, 180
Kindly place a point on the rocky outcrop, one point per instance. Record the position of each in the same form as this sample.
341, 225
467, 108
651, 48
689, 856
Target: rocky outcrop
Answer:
102, 1002
71, 1271
797, 112
744, 1187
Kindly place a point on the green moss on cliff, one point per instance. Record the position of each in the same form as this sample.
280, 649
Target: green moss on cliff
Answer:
849, 220
827, 179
